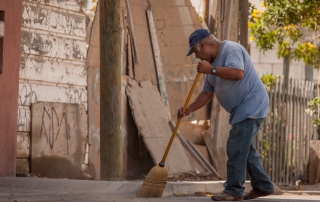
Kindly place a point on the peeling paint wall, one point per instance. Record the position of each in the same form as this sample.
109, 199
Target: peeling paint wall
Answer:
53, 62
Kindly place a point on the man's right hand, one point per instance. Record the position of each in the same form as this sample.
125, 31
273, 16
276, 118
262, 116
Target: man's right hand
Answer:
186, 113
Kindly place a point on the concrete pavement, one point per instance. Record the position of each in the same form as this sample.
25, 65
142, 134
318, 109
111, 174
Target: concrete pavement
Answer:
44, 189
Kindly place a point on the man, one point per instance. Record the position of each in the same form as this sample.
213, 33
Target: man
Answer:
230, 74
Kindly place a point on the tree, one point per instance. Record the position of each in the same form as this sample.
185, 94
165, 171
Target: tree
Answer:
291, 26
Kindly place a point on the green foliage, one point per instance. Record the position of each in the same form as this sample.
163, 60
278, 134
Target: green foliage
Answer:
200, 18
313, 108
292, 26
268, 80
251, 8
265, 147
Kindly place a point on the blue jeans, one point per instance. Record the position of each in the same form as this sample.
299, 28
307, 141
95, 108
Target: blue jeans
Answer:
243, 156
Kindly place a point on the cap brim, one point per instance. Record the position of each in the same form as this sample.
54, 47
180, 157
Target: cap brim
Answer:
190, 51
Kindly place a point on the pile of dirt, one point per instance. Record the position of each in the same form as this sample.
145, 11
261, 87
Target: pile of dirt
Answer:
193, 176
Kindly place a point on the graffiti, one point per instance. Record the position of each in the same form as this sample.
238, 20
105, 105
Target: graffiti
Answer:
74, 5
51, 20
163, 39
181, 81
70, 94
52, 46
76, 96
51, 125
51, 70
161, 24
27, 95
23, 120
31, 42
37, 65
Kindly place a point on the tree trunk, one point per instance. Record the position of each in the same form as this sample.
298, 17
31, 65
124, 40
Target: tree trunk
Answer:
286, 67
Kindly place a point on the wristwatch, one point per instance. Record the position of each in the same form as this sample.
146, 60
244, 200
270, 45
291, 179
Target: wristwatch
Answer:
214, 70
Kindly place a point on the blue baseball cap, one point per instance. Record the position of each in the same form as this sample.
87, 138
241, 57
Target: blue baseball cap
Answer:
195, 37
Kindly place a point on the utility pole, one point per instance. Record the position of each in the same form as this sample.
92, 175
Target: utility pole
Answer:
243, 38
110, 91
228, 20
205, 11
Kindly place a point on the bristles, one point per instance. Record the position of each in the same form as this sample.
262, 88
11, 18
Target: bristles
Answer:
154, 184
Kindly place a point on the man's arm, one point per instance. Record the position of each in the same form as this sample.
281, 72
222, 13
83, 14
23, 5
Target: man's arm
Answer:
227, 73
202, 99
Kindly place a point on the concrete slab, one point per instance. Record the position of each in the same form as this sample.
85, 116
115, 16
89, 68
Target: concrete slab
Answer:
58, 139
152, 120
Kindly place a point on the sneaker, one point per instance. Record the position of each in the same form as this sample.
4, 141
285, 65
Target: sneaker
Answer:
255, 193
226, 197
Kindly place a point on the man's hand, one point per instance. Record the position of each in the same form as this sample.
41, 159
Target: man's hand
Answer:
204, 67
202, 99
186, 113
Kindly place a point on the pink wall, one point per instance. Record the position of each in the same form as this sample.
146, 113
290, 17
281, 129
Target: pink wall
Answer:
9, 85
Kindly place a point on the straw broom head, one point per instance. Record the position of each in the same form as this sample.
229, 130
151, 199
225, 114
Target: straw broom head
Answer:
155, 182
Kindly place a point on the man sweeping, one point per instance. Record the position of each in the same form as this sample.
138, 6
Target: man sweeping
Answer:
230, 74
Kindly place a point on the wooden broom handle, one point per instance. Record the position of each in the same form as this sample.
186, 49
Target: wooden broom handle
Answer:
179, 120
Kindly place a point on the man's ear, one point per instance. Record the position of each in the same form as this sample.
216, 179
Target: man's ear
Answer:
201, 44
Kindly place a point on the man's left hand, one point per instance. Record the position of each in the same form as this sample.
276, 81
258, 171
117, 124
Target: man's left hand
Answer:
204, 67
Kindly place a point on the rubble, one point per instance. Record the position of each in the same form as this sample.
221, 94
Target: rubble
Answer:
193, 176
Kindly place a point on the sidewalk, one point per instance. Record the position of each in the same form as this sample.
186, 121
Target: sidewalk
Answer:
56, 189
45, 189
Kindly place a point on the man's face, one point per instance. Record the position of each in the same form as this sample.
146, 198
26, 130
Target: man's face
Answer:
199, 51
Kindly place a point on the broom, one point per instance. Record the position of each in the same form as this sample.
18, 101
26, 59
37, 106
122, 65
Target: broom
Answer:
156, 180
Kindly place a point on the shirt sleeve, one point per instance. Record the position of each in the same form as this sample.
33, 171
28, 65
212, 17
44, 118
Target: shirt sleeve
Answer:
207, 87
235, 59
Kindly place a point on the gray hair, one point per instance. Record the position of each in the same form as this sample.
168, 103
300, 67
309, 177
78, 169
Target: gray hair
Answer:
211, 39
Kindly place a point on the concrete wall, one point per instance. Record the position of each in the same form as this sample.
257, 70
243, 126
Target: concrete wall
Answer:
53, 62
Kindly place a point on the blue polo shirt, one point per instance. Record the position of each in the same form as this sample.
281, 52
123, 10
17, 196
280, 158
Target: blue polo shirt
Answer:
246, 98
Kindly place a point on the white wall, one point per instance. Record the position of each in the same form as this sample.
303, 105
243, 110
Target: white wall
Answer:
53, 61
